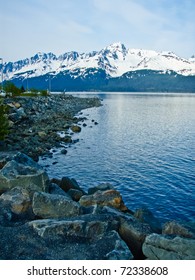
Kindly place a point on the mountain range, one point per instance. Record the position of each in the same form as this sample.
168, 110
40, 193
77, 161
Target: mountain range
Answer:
114, 68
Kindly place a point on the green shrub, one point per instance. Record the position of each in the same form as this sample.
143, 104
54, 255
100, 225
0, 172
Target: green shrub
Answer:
11, 88
3, 120
44, 92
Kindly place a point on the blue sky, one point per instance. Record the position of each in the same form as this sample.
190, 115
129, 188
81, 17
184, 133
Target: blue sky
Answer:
58, 26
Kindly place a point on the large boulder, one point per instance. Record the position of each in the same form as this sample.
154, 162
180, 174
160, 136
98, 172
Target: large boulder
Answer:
18, 115
144, 215
20, 170
47, 205
110, 198
17, 199
23, 243
120, 249
55, 189
97, 233
85, 226
134, 233
175, 228
75, 194
164, 247
66, 184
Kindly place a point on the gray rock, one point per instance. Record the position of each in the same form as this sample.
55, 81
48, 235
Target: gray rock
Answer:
14, 117
145, 215
162, 247
120, 251
95, 209
66, 184
95, 233
123, 216
17, 199
84, 226
17, 115
174, 228
55, 189
54, 206
134, 233
64, 151
75, 194
75, 184
59, 228
55, 181
20, 112
23, 171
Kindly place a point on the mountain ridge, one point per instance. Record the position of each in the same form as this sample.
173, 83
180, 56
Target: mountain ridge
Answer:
114, 62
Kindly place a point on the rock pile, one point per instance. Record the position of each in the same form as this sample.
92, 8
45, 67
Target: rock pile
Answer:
36, 120
55, 219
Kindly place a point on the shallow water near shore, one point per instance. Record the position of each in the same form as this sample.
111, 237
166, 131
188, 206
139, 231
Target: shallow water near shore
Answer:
143, 144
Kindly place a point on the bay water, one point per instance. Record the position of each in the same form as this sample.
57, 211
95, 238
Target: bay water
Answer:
143, 144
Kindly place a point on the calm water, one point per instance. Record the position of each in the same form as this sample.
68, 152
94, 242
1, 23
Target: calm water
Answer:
143, 145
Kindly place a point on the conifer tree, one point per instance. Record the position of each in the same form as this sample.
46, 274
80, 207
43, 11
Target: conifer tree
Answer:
22, 89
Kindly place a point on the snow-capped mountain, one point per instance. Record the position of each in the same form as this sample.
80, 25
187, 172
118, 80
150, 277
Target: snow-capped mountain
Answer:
112, 68
115, 59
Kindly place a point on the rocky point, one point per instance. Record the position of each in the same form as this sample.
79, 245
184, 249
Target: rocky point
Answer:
34, 122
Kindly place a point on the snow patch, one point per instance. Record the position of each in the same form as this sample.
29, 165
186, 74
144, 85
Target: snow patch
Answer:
115, 59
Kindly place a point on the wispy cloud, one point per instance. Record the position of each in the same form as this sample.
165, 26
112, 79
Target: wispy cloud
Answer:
76, 27
64, 25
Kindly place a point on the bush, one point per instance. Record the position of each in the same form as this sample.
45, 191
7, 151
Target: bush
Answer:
3, 120
44, 92
11, 88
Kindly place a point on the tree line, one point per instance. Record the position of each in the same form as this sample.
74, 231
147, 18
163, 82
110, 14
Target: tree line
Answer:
11, 89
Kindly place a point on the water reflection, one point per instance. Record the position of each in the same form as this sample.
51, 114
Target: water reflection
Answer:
143, 145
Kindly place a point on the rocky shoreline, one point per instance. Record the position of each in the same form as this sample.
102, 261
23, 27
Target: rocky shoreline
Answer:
50, 218
43, 218
36, 120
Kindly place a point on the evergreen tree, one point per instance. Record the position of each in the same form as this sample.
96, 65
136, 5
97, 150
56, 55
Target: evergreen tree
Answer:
3, 120
10, 87
22, 89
